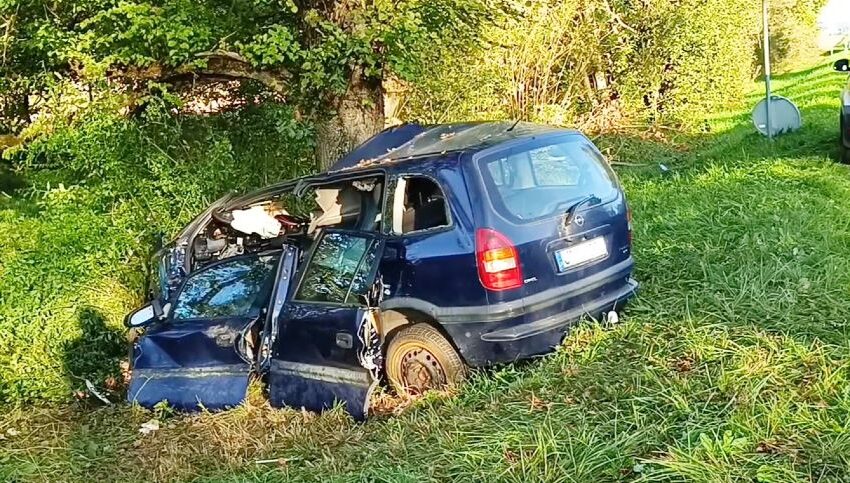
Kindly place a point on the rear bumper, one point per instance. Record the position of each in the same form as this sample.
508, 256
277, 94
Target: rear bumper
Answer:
537, 330
560, 321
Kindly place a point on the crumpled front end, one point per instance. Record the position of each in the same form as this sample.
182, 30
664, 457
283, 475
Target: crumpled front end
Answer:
180, 366
168, 269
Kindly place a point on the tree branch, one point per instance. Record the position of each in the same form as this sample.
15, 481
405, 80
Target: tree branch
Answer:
226, 65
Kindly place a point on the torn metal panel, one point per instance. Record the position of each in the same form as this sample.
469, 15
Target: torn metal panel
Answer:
370, 355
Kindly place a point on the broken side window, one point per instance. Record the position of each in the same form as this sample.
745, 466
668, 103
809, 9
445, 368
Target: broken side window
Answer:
353, 205
418, 204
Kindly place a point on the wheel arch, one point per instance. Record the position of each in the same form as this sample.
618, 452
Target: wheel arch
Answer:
395, 319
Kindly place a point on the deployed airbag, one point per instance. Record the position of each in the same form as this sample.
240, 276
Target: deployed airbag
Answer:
255, 220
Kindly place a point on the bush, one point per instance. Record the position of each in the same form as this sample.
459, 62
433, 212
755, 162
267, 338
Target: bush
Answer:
588, 63
75, 241
794, 34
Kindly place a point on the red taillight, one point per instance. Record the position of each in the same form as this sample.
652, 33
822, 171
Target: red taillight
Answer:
498, 260
629, 218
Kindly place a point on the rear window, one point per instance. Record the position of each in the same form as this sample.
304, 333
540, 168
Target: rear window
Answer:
531, 183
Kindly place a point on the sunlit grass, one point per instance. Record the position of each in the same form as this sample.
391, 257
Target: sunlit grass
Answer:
732, 364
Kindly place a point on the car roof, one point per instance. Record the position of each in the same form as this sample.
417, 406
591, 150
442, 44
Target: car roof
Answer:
406, 143
413, 141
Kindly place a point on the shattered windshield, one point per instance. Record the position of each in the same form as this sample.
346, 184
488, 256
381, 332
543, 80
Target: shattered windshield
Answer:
239, 287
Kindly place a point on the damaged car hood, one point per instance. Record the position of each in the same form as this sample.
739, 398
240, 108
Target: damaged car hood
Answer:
171, 263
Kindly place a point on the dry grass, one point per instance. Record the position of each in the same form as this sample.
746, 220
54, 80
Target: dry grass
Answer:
731, 365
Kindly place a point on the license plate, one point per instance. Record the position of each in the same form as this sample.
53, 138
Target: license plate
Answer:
584, 252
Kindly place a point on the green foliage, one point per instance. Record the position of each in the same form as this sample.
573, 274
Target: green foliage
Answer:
276, 46
730, 365
319, 46
144, 34
793, 33
592, 62
101, 189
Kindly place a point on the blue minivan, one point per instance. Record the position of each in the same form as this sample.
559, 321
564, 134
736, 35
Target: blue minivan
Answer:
425, 251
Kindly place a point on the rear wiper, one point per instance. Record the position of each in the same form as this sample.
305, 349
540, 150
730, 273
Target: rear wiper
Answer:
575, 206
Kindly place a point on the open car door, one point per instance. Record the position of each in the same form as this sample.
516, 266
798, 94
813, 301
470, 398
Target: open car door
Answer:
327, 350
202, 353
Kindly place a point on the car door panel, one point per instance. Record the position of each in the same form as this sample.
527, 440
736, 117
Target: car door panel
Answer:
318, 387
198, 361
324, 353
191, 362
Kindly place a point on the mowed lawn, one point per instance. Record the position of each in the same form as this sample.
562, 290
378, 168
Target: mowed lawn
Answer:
732, 364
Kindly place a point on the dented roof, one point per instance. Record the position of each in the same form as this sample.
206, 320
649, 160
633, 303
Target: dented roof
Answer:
414, 140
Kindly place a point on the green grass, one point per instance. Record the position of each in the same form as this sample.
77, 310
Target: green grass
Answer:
732, 364
78, 217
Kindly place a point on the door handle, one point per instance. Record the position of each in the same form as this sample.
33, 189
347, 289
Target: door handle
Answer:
344, 340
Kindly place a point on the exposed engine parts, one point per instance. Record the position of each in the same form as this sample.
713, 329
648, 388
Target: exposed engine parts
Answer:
267, 223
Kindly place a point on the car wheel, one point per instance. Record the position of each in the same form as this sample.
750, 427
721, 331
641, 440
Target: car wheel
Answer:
419, 359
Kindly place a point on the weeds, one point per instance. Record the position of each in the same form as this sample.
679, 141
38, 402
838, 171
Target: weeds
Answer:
732, 364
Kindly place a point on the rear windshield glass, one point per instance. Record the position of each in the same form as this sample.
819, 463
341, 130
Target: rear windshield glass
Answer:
528, 184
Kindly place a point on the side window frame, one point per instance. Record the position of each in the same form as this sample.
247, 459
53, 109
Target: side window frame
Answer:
396, 188
172, 311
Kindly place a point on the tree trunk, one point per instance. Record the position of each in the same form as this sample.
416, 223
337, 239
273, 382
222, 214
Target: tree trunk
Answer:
357, 115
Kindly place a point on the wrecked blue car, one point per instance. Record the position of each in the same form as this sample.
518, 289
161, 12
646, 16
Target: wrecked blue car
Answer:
425, 251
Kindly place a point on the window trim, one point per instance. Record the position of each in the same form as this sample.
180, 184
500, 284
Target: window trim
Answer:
397, 178
372, 237
173, 302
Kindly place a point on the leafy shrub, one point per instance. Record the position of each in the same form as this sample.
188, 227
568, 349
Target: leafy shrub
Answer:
73, 244
794, 34
591, 62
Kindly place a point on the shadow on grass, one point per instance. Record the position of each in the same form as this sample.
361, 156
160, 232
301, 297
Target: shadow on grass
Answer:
95, 356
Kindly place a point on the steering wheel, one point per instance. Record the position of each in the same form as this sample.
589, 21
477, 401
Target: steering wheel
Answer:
289, 222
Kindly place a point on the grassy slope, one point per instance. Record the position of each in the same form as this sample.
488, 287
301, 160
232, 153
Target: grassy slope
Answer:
732, 363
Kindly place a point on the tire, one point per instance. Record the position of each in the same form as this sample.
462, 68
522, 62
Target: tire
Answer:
419, 359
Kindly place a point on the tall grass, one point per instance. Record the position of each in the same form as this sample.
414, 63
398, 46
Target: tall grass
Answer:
731, 365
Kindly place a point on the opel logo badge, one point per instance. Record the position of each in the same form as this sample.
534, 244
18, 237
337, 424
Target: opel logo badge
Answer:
579, 220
